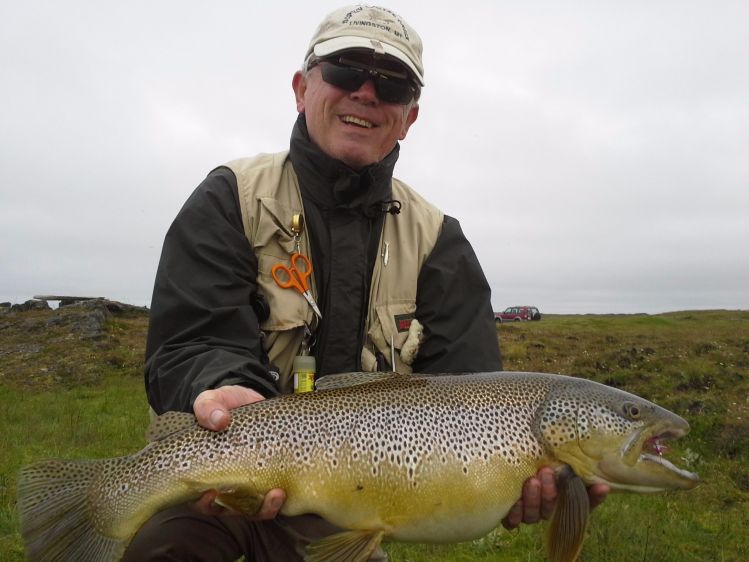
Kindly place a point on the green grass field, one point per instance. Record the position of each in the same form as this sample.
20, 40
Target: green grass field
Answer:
63, 396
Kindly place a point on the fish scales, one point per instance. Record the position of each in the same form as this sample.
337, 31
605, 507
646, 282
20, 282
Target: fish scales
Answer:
387, 447
418, 458
384, 446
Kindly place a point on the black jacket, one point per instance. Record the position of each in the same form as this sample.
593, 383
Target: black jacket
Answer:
204, 332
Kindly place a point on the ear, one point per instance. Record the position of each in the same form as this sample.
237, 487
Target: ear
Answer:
413, 113
299, 85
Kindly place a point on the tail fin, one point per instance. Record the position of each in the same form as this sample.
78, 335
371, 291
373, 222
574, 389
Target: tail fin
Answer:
58, 522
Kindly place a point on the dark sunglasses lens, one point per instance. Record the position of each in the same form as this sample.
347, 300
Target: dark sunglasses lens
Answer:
389, 90
393, 90
344, 77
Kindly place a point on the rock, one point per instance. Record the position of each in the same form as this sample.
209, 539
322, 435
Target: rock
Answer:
114, 307
91, 325
84, 320
32, 304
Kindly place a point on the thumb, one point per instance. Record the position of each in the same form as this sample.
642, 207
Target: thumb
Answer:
212, 406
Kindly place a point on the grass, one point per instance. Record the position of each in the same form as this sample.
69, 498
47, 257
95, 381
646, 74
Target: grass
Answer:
62, 395
72, 397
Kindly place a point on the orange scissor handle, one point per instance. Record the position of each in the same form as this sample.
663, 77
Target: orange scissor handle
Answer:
294, 276
305, 271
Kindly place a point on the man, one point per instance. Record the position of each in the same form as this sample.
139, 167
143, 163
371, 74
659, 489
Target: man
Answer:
390, 273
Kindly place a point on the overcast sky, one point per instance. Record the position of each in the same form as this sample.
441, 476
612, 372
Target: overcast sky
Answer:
595, 152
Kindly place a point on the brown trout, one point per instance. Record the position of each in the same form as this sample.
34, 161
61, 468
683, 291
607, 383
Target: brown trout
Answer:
418, 458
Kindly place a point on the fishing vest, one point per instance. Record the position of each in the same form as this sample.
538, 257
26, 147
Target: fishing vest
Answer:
269, 196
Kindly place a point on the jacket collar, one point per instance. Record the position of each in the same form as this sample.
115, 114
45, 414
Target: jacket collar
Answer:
331, 184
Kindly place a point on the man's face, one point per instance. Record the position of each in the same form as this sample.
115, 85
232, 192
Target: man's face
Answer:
355, 127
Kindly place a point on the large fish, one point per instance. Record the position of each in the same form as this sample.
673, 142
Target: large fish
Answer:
414, 458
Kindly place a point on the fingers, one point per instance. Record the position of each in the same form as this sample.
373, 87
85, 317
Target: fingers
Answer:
548, 493
514, 517
272, 503
597, 493
212, 407
537, 502
528, 507
531, 500
539, 499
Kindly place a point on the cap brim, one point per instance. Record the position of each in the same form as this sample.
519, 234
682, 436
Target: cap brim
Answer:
338, 44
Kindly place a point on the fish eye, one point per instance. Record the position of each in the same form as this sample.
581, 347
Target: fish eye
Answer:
631, 410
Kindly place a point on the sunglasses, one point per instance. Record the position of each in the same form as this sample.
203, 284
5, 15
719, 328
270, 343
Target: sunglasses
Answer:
391, 86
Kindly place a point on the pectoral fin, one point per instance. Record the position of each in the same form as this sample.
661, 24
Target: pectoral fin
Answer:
567, 527
349, 546
244, 500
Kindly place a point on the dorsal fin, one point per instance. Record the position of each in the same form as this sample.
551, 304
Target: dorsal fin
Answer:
168, 424
344, 380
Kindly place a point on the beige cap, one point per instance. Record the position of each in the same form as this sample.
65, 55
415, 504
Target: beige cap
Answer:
369, 27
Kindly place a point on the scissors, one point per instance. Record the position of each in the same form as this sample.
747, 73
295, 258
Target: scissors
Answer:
296, 277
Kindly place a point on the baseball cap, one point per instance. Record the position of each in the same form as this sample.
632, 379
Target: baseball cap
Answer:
369, 27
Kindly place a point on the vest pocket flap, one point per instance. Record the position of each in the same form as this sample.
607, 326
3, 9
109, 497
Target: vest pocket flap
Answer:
288, 308
273, 232
394, 320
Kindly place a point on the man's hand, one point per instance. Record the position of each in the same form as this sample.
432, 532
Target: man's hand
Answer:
539, 498
211, 409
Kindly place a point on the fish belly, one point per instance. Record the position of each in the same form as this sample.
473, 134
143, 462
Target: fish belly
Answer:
439, 502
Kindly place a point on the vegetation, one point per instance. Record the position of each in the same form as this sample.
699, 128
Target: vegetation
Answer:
66, 393
693, 363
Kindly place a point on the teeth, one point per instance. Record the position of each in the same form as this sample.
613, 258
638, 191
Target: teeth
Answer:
356, 121
655, 445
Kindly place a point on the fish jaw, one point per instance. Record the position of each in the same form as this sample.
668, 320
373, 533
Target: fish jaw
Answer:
633, 464
641, 466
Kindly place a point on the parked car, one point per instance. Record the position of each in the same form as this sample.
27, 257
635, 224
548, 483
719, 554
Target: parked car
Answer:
517, 314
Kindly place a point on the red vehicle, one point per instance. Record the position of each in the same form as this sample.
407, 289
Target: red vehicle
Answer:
517, 314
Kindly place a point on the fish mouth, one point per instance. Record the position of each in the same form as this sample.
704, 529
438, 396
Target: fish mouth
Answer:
640, 464
656, 447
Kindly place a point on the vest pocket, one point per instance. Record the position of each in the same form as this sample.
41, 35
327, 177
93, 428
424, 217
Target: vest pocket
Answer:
283, 330
288, 308
392, 320
274, 243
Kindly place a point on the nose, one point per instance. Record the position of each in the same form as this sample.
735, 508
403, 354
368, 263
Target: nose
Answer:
366, 94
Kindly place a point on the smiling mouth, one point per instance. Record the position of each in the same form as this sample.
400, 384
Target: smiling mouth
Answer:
363, 123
